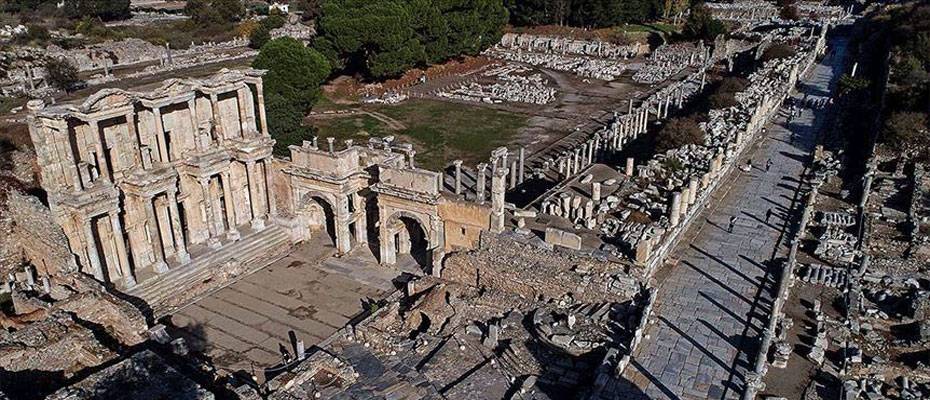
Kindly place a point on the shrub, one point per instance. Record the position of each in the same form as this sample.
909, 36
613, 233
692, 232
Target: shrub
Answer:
214, 11
907, 132
678, 132
777, 51
725, 95
702, 25
35, 35
789, 13
62, 75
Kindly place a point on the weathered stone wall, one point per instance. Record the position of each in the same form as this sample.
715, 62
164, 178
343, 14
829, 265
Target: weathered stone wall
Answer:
41, 240
530, 272
57, 344
122, 321
281, 188
463, 224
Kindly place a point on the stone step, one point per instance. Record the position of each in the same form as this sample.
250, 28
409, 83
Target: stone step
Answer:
180, 272
245, 250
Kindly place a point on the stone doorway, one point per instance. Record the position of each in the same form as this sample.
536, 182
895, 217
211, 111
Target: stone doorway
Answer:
317, 214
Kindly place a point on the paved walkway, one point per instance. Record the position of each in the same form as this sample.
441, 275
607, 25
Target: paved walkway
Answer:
715, 295
308, 293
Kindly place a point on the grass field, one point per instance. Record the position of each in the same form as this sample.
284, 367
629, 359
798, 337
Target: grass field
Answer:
440, 131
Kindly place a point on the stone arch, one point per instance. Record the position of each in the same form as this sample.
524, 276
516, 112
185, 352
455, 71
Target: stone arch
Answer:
316, 211
417, 234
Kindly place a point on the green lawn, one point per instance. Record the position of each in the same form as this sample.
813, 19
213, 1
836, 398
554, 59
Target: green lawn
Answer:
655, 27
440, 131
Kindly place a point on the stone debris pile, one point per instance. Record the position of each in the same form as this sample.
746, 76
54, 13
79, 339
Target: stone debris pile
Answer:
8, 32
670, 59
26, 65
587, 67
143, 18
562, 45
586, 58
835, 242
580, 328
755, 12
818, 274
511, 84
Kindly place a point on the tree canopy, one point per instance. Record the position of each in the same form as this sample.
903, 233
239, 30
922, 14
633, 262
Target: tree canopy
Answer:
907, 132
106, 10
291, 85
586, 13
214, 11
701, 24
678, 132
384, 38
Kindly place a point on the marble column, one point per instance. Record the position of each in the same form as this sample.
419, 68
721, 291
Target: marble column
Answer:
217, 121
675, 212
243, 114
457, 164
125, 270
208, 213
154, 235
195, 130
498, 188
102, 162
91, 247
522, 168
231, 232
513, 174
360, 217
133, 138
388, 246
261, 108
269, 189
343, 240
180, 245
160, 136
254, 196
482, 170
164, 224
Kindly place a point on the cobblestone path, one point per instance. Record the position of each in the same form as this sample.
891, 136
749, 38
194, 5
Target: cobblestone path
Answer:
715, 294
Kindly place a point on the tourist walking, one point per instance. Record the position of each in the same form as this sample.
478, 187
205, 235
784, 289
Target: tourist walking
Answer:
732, 223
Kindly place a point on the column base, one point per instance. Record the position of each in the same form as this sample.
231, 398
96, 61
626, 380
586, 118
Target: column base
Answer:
214, 243
129, 281
258, 224
233, 234
183, 257
160, 267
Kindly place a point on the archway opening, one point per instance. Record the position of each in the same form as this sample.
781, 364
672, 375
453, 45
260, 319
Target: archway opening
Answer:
412, 240
318, 214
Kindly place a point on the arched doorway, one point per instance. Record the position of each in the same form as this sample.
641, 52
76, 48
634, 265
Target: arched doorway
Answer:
412, 240
316, 213
406, 235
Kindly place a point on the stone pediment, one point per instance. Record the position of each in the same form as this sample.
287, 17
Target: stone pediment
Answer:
105, 100
174, 86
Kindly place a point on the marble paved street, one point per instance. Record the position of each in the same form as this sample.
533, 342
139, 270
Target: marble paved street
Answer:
715, 294
309, 292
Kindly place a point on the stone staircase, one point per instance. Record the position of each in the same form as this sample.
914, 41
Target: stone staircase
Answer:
212, 271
